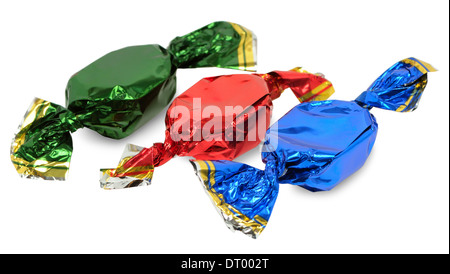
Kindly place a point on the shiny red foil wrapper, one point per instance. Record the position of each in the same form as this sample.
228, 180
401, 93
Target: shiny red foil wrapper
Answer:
200, 123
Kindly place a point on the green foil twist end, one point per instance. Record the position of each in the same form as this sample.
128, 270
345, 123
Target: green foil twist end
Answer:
219, 44
42, 148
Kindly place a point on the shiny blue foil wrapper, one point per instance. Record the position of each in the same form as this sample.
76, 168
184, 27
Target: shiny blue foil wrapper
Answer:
315, 145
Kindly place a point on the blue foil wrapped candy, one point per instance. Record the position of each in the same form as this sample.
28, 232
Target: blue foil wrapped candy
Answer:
315, 145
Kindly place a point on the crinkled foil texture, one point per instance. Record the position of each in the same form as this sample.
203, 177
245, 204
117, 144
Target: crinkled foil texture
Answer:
316, 145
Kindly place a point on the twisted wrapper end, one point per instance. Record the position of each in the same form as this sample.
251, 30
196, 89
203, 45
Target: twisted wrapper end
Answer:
306, 86
126, 176
219, 44
234, 219
42, 147
399, 88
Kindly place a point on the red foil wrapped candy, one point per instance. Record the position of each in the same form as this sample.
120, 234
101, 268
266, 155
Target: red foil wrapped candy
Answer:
218, 118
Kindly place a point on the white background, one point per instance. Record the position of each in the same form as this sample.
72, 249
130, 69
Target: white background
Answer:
397, 203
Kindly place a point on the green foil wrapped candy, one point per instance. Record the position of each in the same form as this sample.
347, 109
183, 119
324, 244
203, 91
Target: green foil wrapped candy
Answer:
118, 93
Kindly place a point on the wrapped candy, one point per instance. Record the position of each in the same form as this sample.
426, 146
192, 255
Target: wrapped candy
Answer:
118, 93
219, 118
316, 145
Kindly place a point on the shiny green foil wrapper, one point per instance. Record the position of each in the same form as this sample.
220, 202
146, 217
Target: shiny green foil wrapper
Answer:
121, 91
